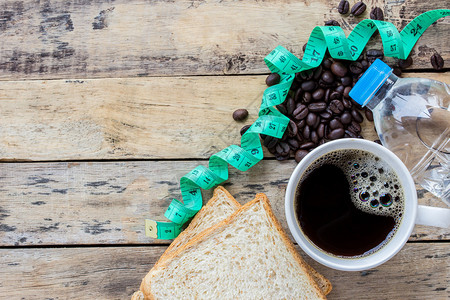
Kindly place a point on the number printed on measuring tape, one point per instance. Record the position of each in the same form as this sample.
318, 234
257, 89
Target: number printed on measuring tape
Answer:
273, 123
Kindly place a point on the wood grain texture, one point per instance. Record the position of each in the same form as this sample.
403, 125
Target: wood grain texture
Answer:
418, 271
134, 118
106, 202
123, 38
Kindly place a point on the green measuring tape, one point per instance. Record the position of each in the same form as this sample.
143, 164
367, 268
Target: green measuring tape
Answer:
270, 121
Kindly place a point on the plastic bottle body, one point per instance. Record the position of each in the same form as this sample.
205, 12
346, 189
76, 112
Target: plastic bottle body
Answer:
412, 118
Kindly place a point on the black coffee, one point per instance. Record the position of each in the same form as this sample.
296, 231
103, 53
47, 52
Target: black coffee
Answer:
349, 203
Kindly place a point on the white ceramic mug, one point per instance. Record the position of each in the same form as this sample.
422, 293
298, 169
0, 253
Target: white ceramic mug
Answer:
413, 213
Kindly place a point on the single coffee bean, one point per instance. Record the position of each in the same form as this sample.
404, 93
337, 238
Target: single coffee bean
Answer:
300, 154
327, 63
318, 94
327, 77
292, 128
307, 145
240, 114
335, 95
316, 124
397, 71
290, 105
340, 89
377, 14
357, 116
298, 95
244, 129
336, 134
314, 137
437, 61
299, 137
347, 91
301, 124
320, 130
335, 123
293, 144
270, 142
346, 118
311, 119
306, 132
346, 81
369, 114
317, 72
339, 69
356, 67
307, 75
295, 85
365, 64
336, 106
272, 150
308, 85
327, 95
358, 8
347, 103
332, 23
355, 127
343, 7
350, 134
375, 53
285, 147
317, 106
282, 157
273, 79
307, 97
325, 115
300, 112
405, 63
282, 109
279, 149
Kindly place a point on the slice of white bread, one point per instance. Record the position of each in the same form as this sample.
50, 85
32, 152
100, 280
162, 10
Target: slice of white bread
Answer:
246, 256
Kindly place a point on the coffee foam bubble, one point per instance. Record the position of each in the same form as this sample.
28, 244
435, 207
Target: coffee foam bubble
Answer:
372, 182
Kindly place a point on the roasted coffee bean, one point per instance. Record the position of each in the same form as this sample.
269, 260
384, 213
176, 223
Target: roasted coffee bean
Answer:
317, 106
321, 142
343, 7
397, 71
298, 95
378, 142
369, 114
293, 144
308, 85
306, 132
285, 147
347, 103
335, 123
301, 124
327, 95
307, 97
244, 129
336, 134
405, 63
437, 61
295, 85
279, 149
335, 95
358, 8
292, 128
356, 104
373, 54
339, 69
282, 109
365, 64
346, 118
290, 105
307, 145
317, 72
336, 106
300, 154
282, 157
327, 77
272, 150
377, 14
314, 137
318, 94
325, 115
240, 114
273, 79
347, 91
327, 63
304, 47
346, 81
356, 67
270, 142
316, 124
350, 134
300, 112
332, 23
357, 116
340, 89
320, 130
299, 137
311, 119
355, 127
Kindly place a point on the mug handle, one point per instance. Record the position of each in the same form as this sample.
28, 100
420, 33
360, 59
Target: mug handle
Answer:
433, 216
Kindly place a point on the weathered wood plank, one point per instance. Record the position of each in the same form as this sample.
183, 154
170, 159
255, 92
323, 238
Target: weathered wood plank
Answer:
107, 202
85, 39
419, 271
185, 117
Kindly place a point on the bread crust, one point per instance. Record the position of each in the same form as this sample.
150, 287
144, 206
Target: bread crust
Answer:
146, 286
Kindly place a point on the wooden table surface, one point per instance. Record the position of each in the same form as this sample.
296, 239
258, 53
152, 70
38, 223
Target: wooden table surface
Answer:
105, 105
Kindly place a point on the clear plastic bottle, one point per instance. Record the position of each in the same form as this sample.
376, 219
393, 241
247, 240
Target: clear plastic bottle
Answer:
412, 119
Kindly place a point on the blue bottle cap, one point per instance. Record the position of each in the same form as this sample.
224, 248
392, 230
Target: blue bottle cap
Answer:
370, 82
